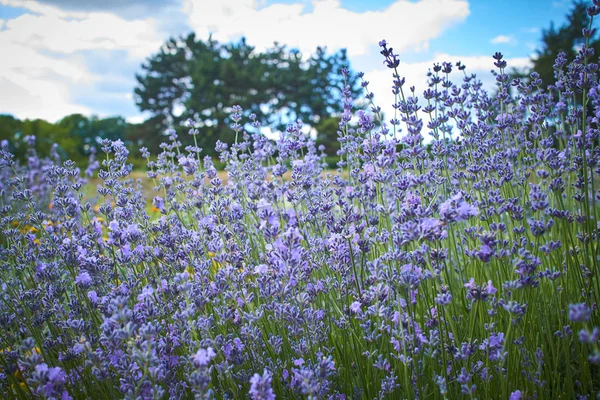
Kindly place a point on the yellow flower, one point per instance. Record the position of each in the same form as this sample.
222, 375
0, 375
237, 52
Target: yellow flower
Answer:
35, 350
215, 265
190, 270
23, 386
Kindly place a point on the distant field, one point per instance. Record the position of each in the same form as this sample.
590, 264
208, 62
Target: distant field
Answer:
91, 192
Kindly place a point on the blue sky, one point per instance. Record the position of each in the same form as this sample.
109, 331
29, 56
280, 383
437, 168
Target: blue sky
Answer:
67, 56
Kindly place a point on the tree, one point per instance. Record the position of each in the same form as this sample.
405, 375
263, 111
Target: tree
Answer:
146, 134
202, 80
568, 39
91, 131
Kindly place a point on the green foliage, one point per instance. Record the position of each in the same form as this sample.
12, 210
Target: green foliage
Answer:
201, 80
568, 38
90, 131
328, 135
67, 143
75, 134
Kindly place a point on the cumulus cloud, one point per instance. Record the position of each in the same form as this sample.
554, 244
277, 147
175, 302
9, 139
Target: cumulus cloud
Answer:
129, 9
501, 39
410, 25
64, 33
45, 57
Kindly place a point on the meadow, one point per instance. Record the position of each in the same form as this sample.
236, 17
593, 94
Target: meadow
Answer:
453, 254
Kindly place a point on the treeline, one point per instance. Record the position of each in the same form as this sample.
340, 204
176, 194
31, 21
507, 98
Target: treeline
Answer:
74, 135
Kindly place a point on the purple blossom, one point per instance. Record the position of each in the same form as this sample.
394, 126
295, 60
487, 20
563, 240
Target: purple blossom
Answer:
203, 356
579, 312
423, 262
516, 395
260, 387
355, 307
83, 279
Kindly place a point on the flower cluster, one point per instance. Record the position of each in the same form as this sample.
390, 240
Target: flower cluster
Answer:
452, 255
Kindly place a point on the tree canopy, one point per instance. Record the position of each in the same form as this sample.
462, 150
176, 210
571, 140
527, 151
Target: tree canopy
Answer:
568, 38
201, 80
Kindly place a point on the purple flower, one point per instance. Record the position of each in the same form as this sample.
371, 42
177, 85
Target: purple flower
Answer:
84, 279
41, 369
261, 269
93, 296
579, 312
490, 289
147, 293
456, 209
355, 307
113, 225
260, 386
159, 203
589, 338
203, 357
466, 211
516, 395
485, 253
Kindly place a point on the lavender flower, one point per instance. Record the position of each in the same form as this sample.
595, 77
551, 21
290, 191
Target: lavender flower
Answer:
260, 387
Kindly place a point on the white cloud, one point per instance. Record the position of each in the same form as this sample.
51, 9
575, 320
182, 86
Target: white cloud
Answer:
42, 56
38, 86
408, 25
560, 3
501, 39
94, 31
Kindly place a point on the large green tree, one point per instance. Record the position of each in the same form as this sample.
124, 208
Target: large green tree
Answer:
202, 80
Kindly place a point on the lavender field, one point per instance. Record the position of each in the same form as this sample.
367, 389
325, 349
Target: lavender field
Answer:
454, 254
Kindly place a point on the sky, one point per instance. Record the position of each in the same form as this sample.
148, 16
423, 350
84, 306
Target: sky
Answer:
61, 57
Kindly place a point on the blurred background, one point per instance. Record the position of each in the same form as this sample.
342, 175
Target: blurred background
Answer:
74, 72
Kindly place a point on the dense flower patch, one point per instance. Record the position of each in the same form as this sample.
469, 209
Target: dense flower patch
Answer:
466, 266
